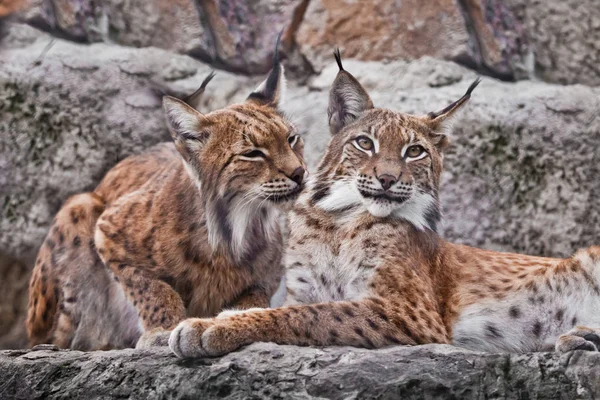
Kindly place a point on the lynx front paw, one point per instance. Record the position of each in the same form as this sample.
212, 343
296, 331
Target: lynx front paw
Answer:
206, 337
579, 338
186, 339
157, 337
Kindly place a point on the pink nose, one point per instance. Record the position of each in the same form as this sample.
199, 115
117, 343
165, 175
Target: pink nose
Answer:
387, 181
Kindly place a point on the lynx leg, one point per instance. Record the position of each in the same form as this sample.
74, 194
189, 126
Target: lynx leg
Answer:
370, 323
157, 303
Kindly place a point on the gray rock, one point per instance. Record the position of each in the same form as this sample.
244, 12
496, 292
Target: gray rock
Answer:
483, 34
172, 24
236, 35
266, 370
168, 24
565, 38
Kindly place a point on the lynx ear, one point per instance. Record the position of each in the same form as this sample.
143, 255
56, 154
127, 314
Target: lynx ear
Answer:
188, 127
347, 99
271, 90
440, 121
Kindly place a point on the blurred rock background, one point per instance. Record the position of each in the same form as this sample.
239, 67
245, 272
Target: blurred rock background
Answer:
80, 84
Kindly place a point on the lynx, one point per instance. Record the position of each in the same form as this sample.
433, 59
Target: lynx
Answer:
185, 229
365, 266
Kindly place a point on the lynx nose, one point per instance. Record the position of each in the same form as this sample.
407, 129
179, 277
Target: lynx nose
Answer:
387, 181
298, 175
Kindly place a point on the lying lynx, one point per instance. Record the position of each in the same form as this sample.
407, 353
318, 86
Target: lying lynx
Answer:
365, 267
184, 229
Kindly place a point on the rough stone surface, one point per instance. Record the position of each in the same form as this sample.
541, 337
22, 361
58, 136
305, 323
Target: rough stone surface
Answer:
521, 173
498, 41
565, 38
555, 40
382, 30
69, 112
483, 34
245, 31
265, 370
169, 24
235, 35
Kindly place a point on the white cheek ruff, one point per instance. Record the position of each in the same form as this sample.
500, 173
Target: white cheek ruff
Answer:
242, 216
342, 194
416, 209
380, 209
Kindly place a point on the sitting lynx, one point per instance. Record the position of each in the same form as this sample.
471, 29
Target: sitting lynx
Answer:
366, 268
184, 229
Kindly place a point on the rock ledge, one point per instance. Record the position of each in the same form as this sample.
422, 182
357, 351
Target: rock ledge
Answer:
265, 370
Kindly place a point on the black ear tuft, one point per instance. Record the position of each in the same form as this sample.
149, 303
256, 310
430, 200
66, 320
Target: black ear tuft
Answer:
194, 98
269, 92
338, 58
273, 78
449, 110
473, 86
348, 100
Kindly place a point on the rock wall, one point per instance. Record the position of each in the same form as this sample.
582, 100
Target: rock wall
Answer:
268, 371
554, 40
564, 37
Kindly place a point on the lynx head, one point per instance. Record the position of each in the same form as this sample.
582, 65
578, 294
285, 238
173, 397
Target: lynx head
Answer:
380, 161
247, 157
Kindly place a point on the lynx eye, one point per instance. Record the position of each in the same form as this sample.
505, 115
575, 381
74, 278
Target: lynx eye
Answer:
414, 151
254, 154
292, 140
364, 143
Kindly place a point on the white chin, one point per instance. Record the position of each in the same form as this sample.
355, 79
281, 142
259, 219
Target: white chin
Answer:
380, 208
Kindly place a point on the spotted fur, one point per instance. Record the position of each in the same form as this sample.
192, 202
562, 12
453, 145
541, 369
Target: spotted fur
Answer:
365, 267
185, 229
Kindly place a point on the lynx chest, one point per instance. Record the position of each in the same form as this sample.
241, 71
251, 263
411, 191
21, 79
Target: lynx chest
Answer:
321, 271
